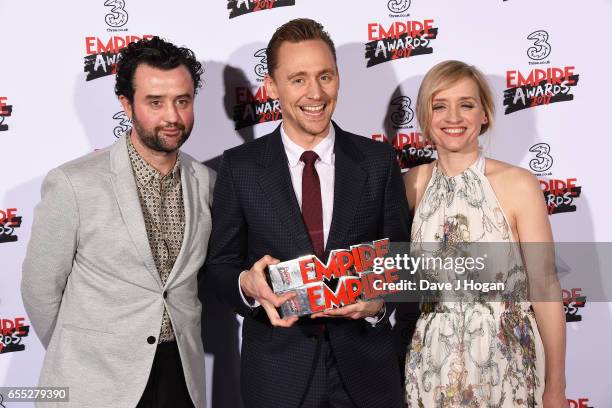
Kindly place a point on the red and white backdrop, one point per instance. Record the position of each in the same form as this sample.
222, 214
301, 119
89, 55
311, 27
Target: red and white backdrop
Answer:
546, 61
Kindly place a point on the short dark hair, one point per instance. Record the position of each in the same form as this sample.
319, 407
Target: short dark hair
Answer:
300, 29
156, 53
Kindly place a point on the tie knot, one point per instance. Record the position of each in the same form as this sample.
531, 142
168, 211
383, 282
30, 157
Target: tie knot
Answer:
309, 157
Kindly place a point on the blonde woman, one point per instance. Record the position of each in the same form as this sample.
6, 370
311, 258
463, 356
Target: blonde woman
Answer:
471, 353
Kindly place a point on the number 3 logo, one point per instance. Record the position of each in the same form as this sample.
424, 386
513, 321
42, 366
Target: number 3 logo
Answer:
543, 160
118, 16
261, 68
124, 124
398, 6
541, 48
403, 114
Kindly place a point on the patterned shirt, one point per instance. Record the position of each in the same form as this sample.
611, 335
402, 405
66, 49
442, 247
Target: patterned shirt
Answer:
161, 200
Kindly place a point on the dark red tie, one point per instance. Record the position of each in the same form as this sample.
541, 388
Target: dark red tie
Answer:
312, 208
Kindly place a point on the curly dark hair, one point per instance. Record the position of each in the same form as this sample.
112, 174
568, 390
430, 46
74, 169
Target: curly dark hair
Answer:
157, 53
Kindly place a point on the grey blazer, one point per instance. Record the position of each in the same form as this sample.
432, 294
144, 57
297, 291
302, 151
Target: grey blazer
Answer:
91, 288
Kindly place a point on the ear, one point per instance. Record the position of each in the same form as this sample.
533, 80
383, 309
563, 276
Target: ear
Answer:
127, 106
485, 120
338, 77
270, 87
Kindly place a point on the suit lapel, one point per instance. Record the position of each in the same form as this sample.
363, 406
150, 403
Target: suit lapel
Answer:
190, 186
275, 181
348, 185
125, 190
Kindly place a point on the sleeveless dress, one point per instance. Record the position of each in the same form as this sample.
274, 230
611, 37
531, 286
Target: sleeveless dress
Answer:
469, 352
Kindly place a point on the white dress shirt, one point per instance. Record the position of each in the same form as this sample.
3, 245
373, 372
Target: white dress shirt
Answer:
325, 169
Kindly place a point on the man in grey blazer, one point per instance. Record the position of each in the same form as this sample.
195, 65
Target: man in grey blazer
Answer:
110, 277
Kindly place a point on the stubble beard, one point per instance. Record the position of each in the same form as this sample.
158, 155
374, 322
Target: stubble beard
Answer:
154, 141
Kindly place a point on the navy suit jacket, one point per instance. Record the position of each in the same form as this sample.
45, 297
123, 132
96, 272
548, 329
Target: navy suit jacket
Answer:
255, 212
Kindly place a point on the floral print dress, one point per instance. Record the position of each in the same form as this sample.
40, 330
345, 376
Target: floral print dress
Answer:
469, 352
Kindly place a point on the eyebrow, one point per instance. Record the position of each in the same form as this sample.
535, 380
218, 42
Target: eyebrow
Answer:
302, 73
161, 96
463, 98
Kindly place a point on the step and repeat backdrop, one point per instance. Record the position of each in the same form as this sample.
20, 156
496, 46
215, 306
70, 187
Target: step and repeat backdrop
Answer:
546, 62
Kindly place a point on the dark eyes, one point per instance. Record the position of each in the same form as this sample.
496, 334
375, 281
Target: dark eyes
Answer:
181, 102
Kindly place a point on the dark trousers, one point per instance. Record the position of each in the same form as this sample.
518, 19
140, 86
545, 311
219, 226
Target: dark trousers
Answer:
166, 387
326, 388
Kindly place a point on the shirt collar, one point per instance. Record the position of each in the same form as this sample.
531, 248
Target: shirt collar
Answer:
145, 173
325, 148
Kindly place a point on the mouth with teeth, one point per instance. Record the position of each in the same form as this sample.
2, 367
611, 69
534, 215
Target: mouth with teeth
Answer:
313, 111
455, 131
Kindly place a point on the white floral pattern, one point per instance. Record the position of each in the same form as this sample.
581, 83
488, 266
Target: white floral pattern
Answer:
470, 352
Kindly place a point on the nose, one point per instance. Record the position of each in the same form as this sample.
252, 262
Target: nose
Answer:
453, 114
315, 91
171, 114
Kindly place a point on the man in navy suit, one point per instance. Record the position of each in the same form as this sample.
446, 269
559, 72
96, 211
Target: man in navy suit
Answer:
308, 187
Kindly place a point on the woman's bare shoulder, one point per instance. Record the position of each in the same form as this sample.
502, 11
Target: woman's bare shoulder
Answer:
513, 185
509, 175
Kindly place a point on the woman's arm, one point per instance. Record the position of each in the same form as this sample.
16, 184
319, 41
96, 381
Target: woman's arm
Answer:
535, 235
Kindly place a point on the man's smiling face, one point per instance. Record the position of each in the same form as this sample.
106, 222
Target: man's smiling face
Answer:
306, 82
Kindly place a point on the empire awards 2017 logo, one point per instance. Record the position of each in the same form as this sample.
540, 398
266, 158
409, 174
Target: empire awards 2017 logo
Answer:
542, 86
573, 301
252, 103
117, 17
559, 194
101, 55
579, 403
124, 124
5, 112
12, 333
539, 87
399, 40
239, 8
9, 221
256, 107
411, 148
